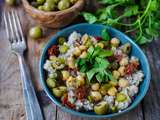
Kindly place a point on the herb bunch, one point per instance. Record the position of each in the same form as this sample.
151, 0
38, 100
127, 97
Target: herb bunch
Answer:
95, 65
138, 18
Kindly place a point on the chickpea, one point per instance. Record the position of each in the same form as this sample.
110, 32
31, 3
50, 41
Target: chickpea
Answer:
116, 74
85, 39
82, 47
113, 83
71, 62
100, 44
65, 74
134, 60
112, 91
123, 82
115, 42
77, 52
80, 80
96, 95
104, 88
70, 82
95, 86
124, 61
83, 55
121, 70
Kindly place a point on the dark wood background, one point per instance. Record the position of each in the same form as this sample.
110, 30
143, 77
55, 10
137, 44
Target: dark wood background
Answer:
11, 97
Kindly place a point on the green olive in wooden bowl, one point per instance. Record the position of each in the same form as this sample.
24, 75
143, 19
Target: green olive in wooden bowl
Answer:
53, 13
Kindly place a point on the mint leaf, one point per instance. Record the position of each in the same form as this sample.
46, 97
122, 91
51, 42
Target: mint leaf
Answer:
91, 73
105, 53
89, 17
131, 10
105, 35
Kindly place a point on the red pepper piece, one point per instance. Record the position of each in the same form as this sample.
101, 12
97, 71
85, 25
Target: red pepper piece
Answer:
54, 50
98, 38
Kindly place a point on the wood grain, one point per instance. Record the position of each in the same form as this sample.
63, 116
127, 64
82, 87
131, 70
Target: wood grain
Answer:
11, 97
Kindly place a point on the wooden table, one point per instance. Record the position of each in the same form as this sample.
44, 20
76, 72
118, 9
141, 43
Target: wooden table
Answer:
11, 97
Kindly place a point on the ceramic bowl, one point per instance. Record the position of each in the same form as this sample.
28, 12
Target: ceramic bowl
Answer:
95, 30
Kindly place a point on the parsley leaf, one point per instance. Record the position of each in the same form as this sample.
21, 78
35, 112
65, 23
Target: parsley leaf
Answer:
105, 35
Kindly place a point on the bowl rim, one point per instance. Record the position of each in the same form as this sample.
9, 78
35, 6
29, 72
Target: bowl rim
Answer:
75, 6
73, 112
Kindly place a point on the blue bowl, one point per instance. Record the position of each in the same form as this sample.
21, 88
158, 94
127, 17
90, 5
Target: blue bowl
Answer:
95, 30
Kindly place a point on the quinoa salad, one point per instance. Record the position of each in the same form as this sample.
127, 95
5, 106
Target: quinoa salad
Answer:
90, 73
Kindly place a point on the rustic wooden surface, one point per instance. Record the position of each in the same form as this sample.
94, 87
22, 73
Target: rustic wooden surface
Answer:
11, 97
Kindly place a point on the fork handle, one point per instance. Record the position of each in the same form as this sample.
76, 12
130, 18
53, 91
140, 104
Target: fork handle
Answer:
32, 107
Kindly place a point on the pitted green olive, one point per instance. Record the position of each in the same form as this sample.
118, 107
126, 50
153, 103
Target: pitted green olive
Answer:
101, 108
51, 82
57, 92
126, 48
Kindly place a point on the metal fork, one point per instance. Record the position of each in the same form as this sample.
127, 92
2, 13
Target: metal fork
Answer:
18, 46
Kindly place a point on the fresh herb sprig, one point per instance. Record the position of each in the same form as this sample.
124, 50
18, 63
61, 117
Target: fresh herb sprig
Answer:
96, 64
139, 19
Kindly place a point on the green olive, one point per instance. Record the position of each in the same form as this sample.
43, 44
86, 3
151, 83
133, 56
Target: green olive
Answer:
63, 89
104, 88
121, 97
63, 48
11, 2
40, 2
51, 82
40, 8
61, 40
114, 109
90, 99
63, 4
35, 32
61, 60
49, 6
56, 1
57, 92
101, 108
73, 1
126, 48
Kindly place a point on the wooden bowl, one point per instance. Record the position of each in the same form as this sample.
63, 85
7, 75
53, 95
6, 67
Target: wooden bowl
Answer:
55, 19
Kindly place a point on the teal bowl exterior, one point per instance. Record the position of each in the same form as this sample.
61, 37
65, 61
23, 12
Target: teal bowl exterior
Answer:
95, 30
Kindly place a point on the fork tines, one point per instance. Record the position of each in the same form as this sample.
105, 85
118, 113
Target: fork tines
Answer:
13, 27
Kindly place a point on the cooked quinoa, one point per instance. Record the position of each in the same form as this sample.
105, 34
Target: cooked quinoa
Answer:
88, 73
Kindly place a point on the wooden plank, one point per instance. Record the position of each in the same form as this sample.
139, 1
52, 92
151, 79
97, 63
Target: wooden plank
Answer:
151, 103
11, 100
11, 103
